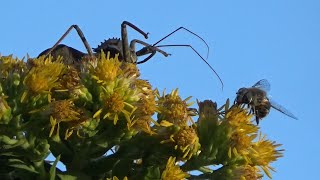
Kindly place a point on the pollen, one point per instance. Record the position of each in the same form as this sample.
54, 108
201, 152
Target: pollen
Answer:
114, 103
173, 109
187, 141
70, 78
64, 110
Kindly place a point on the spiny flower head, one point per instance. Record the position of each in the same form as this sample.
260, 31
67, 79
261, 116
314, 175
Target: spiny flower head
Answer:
207, 111
9, 65
264, 152
107, 69
70, 79
242, 131
130, 70
187, 141
43, 77
242, 141
173, 109
143, 123
116, 178
246, 172
118, 101
60, 111
146, 106
183, 138
173, 171
237, 116
115, 91
113, 106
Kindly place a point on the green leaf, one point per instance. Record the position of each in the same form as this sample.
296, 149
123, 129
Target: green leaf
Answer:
67, 177
17, 163
153, 173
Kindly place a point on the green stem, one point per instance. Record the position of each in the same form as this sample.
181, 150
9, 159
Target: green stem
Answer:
39, 166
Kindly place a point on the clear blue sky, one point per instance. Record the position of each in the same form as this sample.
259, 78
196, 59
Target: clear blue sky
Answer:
249, 40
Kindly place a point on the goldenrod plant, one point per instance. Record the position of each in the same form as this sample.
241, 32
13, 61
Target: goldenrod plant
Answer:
103, 122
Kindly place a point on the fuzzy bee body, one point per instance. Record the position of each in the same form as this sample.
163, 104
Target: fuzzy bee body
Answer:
257, 100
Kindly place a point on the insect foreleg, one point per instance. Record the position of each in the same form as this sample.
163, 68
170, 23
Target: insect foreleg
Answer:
147, 49
125, 41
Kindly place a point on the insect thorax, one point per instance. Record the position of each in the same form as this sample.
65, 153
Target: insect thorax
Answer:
252, 96
113, 46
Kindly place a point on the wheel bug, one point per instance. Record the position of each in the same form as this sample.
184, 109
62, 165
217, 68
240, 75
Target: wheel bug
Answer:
126, 51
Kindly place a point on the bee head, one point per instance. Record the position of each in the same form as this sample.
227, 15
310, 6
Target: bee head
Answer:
241, 95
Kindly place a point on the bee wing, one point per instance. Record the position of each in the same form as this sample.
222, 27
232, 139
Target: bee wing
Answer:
281, 109
263, 84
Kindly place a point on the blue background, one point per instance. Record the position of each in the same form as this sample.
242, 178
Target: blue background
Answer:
249, 40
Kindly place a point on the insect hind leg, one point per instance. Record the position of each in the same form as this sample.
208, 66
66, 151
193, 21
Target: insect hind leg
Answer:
81, 35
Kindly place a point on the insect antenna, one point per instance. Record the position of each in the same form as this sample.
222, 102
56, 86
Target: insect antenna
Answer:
186, 45
165, 37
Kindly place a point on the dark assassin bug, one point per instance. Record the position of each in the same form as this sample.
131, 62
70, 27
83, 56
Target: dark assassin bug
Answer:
126, 51
258, 101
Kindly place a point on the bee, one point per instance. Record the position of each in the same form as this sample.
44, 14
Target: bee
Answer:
260, 104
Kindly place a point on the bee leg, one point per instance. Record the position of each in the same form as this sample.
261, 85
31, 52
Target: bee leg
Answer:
256, 113
251, 110
257, 120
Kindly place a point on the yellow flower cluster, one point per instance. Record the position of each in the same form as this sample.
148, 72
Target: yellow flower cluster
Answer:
106, 104
173, 171
242, 141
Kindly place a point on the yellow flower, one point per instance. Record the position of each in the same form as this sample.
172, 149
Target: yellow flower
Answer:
173, 171
264, 152
173, 109
146, 106
238, 116
242, 135
187, 141
242, 131
143, 124
116, 178
8, 65
117, 95
184, 139
70, 79
115, 105
107, 69
130, 70
42, 78
246, 172
61, 111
